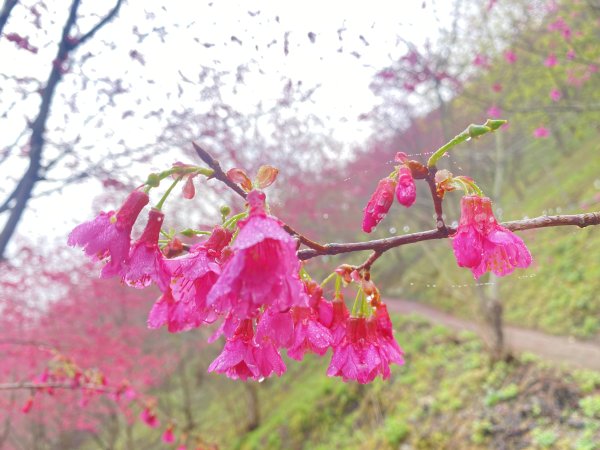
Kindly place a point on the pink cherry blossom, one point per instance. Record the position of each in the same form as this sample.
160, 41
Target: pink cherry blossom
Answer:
168, 436
148, 416
481, 61
146, 262
551, 60
365, 352
379, 204
389, 348
482, 245
555, 95
339, 321
237, 359
263, 270
268, 360
406, 191
107, 237
310, 335
541, 132
494, 112
510, 56
192, 276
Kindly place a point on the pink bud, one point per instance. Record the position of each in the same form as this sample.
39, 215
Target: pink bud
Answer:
240, 177
379, 204
266, 176
188, 188
406, 191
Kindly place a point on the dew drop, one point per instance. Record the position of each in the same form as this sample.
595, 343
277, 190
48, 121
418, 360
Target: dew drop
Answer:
454, 224
261, 379
406, 228
392, 230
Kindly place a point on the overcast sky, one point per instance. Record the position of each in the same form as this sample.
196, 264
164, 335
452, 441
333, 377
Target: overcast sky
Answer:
336, 45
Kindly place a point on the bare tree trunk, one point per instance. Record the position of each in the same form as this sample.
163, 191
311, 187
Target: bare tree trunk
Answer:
24, 189
253, 406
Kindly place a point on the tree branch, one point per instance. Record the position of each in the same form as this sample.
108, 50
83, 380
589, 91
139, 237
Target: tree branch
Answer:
5, 12
30, 385
383, 245
222, 176
113, 12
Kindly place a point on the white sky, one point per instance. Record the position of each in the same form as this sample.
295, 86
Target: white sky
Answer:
342, 76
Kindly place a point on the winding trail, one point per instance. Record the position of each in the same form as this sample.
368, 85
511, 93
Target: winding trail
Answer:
559, 349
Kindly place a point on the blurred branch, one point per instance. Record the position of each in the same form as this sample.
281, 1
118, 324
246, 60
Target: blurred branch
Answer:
23, 192
5, 12
113, 12
30, 385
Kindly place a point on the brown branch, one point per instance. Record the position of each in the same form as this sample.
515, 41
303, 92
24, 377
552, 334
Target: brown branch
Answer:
382, 245
218, 171
222, 177
437, 201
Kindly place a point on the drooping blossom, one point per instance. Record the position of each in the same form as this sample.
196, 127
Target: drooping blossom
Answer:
310, 335
406, 191
263, 270
379, 204
482, 245
107, 237
146, 262
168, 436
510, 56
494, 112
364, 352
148, 416
481, 61
551, 60
541, 132
237, 360
339, 321
555, 95
389, 348
192, 277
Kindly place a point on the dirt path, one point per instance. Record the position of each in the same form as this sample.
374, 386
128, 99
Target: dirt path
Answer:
554, 348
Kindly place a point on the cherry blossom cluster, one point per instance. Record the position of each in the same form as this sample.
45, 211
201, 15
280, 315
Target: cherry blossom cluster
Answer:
246, 277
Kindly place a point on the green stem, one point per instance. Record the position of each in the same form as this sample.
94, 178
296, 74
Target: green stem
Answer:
328, 279
164, 197
355, 306
472, 131
234, 219
338, 286
458, 139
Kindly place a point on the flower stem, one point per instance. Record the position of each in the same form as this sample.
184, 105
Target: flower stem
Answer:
164, 197
472, 131
328, 279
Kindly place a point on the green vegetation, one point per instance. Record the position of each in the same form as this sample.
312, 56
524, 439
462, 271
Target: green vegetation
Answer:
446, 396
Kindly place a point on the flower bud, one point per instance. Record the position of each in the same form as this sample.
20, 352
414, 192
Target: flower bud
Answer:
266, 176
240, 177
153, 180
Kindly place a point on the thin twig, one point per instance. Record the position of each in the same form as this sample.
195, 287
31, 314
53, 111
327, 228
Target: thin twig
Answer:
222, 176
